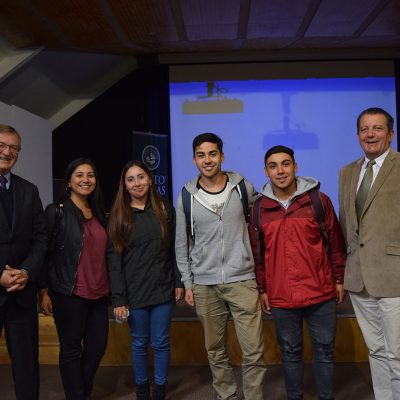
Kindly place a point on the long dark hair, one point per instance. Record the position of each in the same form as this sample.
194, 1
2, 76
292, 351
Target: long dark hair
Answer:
121, 217
95, 199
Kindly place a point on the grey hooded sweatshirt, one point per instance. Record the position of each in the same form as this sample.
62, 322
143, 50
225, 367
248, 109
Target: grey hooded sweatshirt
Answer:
304, 184
221, 252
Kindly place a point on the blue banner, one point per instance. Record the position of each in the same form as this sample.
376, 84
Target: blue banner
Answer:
152, 149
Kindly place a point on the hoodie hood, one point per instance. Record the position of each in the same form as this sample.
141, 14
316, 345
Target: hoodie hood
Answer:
234, 179
304, 184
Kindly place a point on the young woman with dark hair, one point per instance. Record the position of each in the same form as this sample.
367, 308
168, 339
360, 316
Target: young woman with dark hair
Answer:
143, 275
75, 288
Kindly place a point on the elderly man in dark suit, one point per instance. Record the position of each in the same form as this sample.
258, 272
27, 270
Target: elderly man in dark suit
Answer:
23, 242
370, 219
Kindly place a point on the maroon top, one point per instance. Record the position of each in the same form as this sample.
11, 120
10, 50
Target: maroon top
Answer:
91, 278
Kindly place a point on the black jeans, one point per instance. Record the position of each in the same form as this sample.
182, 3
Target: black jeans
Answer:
21, 329
82, 327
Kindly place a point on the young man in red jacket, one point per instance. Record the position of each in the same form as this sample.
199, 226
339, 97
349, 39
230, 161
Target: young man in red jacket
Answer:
299, 268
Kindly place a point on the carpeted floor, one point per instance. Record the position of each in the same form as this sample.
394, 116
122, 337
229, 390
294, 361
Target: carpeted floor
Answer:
352, 380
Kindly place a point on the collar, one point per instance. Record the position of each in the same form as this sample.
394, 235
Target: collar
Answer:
379, 160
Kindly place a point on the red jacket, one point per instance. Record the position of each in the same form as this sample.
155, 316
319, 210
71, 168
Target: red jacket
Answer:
298, 272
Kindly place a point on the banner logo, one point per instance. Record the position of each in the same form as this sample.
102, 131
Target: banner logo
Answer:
151, 157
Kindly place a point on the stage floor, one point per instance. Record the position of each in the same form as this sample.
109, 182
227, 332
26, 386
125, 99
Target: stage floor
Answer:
352, 380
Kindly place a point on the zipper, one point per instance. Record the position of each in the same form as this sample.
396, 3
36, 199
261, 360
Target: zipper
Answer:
223, 276
222, 226
77, 263
222, 249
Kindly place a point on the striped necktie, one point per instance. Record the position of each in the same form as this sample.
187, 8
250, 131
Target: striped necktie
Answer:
3, 182
364, 188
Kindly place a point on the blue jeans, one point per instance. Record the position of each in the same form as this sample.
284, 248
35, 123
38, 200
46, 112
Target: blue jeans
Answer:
145, 323
321, 323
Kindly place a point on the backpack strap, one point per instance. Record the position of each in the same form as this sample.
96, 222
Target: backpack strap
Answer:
319, 213
187, 208
258, 230
241, 187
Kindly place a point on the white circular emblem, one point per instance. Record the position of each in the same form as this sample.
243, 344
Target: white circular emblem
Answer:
151, 157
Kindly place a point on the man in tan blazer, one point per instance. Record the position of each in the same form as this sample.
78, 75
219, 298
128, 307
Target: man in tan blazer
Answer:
372, 230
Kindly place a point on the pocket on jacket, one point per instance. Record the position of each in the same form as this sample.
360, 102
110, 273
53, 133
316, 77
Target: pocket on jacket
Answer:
236, 255
393, 250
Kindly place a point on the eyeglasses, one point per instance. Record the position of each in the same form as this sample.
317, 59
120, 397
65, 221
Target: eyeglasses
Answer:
14, 149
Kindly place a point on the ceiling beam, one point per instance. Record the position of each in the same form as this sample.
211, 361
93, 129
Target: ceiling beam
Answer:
243, 25
58, 33
13, 60
97, 87
280, 55
117, 27
308, 17
370, 18
180, 25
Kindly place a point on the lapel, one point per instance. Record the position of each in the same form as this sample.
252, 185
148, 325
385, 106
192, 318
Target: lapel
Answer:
3, 218
18, 198
380, 179
355, 174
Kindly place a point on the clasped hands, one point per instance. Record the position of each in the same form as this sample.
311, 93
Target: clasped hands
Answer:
13, 279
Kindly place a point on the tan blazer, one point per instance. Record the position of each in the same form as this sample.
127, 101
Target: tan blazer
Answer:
373, 248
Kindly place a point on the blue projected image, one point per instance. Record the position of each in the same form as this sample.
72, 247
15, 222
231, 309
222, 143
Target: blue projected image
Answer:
316, 117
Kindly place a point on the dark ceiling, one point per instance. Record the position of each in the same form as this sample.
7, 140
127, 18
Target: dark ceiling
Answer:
137, 27
56, 56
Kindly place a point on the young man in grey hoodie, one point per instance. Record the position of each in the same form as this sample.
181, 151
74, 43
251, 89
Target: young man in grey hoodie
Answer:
218, 268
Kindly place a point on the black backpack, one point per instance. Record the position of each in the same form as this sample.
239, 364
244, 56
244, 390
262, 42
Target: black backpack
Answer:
319, 213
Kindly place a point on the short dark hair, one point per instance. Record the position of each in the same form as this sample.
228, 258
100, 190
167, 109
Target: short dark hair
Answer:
207, 137
278, 149
373, 111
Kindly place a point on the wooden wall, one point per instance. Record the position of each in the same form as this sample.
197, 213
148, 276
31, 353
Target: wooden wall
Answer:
187, 343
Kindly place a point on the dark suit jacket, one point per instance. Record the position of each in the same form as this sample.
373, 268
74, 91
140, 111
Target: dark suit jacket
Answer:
373, 248
24, 244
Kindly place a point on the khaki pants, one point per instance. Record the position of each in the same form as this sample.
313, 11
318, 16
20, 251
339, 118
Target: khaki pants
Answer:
213, 304
379, 321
